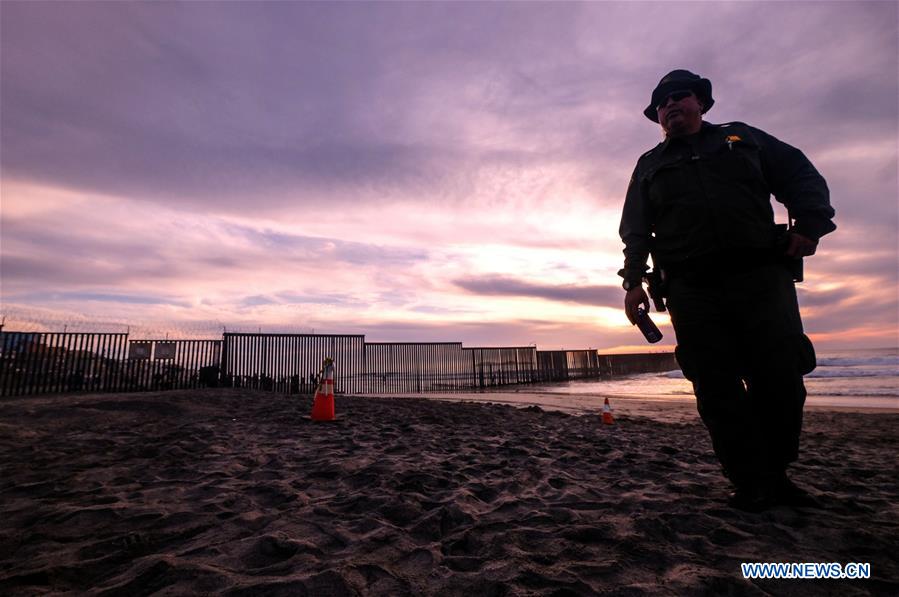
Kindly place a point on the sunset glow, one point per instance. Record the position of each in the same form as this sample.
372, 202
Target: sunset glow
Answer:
409, 171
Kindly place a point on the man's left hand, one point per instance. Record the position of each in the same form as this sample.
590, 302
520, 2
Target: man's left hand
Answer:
800, 246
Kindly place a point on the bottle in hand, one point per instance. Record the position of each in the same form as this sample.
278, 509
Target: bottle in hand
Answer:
649, 329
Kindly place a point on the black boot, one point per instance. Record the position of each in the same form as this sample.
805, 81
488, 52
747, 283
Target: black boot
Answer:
753, 497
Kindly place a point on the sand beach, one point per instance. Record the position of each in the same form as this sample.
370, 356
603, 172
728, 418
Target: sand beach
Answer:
237, 492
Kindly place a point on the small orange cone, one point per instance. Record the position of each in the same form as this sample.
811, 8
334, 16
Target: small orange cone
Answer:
323, 403
607, 413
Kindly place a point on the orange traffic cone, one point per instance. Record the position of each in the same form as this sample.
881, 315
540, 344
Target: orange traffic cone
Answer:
323, 403
607, 413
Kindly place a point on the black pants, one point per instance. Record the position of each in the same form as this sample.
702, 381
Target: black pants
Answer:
740, 342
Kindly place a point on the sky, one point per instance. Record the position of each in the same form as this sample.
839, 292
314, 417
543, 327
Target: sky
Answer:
410, 171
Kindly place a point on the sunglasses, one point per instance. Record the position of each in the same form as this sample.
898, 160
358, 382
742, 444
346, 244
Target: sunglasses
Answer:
674, 95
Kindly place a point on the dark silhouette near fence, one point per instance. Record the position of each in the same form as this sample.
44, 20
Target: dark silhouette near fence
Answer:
41, 363
44, 363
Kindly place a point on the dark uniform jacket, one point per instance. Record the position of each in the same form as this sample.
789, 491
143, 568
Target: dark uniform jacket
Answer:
705, 199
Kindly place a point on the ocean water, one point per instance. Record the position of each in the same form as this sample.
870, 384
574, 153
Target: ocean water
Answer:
854, 378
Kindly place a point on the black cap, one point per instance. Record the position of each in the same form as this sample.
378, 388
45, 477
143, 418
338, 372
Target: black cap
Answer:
675, 81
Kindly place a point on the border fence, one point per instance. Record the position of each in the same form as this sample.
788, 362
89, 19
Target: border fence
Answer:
410, 367
288, 362
44, 362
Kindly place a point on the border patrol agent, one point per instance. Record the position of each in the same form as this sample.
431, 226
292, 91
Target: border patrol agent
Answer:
699, 203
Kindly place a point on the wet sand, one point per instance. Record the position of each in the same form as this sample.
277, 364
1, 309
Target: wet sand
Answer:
237, 492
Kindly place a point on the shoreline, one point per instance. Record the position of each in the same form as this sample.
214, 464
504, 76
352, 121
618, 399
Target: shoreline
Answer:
574, 404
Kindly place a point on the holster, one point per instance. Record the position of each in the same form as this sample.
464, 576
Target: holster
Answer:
794, 264
657, 288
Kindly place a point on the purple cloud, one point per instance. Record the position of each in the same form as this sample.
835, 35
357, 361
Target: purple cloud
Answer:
602, 296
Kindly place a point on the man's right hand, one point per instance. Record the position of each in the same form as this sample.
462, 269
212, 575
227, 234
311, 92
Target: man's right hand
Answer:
799, 246
633, 299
